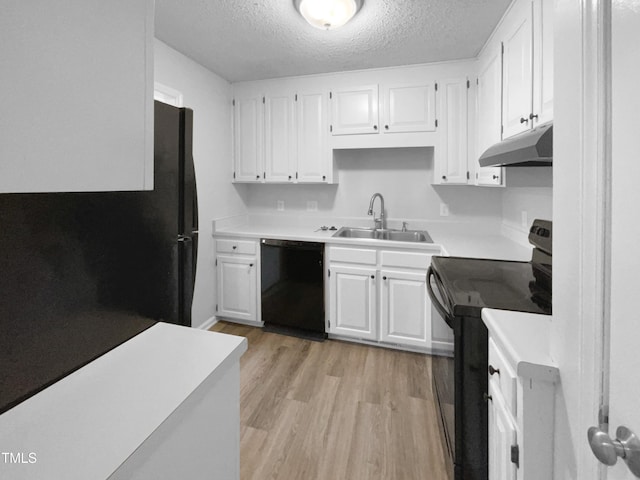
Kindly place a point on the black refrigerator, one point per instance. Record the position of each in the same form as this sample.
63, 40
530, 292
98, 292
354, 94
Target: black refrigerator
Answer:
81, 273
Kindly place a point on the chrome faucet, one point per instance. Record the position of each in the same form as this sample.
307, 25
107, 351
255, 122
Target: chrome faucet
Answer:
379, 223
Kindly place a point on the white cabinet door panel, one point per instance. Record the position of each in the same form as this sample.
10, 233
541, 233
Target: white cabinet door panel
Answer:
451, 152
237, 287
543, 61
405, 308
314, 156
355, 110
249, 138
409, 108
518, 76
502, 435
353, 302
279, 137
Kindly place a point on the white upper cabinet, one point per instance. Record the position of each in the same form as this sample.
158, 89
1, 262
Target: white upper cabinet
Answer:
409, 108
528, 66
280, 132
518, 72
488, 114
451, 152
77, 94
542, 61
354, 110
248, 121
315, 160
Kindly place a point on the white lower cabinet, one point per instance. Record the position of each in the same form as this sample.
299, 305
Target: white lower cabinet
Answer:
405, 308
520, 403
380, 295
237, 277
352, 297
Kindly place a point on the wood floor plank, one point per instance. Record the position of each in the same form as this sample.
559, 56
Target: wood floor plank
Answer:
334, 410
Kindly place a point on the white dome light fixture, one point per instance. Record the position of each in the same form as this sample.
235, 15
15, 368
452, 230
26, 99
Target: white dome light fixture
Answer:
328, 14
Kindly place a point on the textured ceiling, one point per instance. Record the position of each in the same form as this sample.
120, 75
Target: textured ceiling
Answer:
259, 39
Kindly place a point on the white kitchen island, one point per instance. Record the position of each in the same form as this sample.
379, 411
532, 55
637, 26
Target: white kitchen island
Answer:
163, 405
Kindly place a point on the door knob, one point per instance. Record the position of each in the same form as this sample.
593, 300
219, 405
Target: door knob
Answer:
626, 446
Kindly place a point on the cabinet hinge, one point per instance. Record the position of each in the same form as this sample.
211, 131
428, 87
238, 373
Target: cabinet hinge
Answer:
296, 99
216, 262
477, 81
264, 174
331, 128
502, 45
476, 175
233, 102
329, 272
330, 94
468, 84
234, 174
329, 323
436, 87
263, 101
436, 123
501, 128
296, 175
468, 175
515, 455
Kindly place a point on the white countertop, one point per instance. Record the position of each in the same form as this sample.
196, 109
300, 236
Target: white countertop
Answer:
87, 424
524, 338
456, 238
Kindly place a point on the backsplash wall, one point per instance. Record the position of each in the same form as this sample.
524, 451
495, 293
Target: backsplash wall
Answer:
402, 175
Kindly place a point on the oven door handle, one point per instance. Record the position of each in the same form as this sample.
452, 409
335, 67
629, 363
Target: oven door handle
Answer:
444, 313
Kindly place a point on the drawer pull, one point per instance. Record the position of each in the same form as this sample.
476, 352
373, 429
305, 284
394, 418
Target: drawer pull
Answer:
493, 371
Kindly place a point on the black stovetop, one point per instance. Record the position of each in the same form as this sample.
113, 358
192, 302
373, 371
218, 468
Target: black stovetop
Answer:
472, 284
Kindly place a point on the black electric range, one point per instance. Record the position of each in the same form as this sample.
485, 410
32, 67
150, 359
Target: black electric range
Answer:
460, 288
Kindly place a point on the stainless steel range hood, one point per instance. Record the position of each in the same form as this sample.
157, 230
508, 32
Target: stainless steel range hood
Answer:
533, 148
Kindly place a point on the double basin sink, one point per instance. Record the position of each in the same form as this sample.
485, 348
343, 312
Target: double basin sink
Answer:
419, 236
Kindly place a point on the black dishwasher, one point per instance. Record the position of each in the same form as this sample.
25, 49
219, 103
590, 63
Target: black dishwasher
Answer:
292, 282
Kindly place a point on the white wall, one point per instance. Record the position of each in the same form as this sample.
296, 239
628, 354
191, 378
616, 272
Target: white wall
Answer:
209, 96
402, 175
529, 190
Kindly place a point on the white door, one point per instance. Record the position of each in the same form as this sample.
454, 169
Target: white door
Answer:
237, 287
353, 301
489, 114
405, 308
624, 370
279, 142
409, 108
314, 156
354, 110
248, 123
517, 74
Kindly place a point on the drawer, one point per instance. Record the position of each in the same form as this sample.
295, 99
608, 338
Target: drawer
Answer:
504, 377
365, 256
244, 247
419, 260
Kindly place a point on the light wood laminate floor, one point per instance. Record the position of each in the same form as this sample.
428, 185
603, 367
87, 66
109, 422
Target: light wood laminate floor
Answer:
334, 410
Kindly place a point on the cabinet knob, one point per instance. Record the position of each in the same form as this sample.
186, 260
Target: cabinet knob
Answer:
324, 177
386, 127
487, 397
524, 120
373, 276
234, 247
289, 177
384, 278
496, 177
493, 371
251, 264
444, 177
258, 177
375, 127
532, 116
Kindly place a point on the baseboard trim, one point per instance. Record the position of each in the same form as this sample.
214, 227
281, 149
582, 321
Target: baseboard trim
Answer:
208, 323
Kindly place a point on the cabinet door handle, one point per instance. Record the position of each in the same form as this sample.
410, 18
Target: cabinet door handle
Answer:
493, 371
524, 120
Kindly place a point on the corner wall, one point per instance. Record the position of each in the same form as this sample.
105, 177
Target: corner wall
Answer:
209, 96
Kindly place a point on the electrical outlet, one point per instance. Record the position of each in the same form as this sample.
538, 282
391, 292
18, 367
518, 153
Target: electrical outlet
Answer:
524, 220
280, 205
312, 205
444, 210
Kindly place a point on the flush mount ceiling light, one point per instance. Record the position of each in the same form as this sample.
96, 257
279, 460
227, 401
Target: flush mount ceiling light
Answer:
328, 14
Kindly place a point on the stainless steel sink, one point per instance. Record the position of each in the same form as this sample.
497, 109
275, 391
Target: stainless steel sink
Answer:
386, 234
